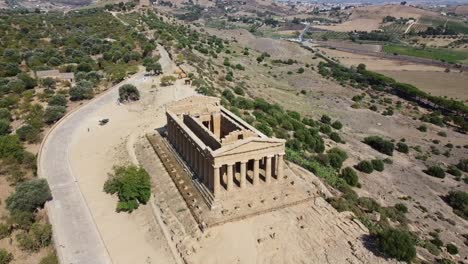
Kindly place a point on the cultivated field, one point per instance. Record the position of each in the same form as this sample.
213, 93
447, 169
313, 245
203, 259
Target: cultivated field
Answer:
452, 84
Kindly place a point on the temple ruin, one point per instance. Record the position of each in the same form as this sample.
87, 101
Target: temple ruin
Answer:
223, 152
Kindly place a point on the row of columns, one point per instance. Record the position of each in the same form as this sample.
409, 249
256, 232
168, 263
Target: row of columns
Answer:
211, 175
272, 166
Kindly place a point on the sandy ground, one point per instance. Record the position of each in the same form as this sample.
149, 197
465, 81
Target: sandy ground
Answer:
452, 85
94, 153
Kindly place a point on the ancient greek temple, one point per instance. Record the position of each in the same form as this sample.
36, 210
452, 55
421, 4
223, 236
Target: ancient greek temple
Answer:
222, 151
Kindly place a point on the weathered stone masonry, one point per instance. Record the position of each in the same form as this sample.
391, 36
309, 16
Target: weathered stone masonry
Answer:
223, 151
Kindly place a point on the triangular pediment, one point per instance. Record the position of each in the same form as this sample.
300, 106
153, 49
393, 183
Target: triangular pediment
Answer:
248, 145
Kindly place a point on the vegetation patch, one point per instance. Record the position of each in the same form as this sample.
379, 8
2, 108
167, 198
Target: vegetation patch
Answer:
131, 184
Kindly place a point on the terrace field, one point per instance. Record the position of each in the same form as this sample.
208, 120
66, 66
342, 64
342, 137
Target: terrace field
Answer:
451, 56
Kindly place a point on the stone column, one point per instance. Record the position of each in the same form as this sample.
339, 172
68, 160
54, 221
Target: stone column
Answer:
256, 178
216, 184
230, 177
268, 169
206, 174
280, 166
243, 174
201, 164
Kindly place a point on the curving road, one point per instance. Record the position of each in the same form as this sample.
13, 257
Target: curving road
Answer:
76, 236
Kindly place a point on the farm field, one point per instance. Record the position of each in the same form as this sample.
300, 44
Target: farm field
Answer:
452, 84
451, 56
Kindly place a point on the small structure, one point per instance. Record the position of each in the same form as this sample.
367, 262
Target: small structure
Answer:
56, 75
224, 152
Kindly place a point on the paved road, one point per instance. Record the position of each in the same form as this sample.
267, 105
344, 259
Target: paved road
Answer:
76, 236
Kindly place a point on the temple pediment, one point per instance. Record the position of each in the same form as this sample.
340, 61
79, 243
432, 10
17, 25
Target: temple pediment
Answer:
248, 145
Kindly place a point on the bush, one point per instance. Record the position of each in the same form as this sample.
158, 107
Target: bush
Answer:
350, 176
458, 200
337, 125
78, 93
335, 137
5, 256
21, 219
132, 185
365, 166
402, 147
39, 236
28, 133
4, 127
11, 147
168, 80
380, 144
58, 100
435, 171
397, 244
325, 119
128, 92
454, 171
463, 165
401, 208
53, 113
5, 230
452, 249
51, 258
5, 114
378, 165
29, 196
422, 128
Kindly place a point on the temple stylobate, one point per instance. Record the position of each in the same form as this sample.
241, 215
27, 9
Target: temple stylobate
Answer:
222, 151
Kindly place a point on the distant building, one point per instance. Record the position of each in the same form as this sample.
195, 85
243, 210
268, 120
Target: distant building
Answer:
56, 74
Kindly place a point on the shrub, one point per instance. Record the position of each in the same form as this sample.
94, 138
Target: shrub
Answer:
442, 134
78, 93
132, 185
335, 160
238, 90
380, 144
51, 258
11, 147
433, 249
458, 200
350, 176
422, 128
53, 113
5, 230
454, 171
29, 196
5, 256
378, 165
325, 119
39, 236
401, 208
22, 219
463, 165
58, 100
452, 249
337, 125
28, 133
365, 166
5, 114
168, 80
335, 137
326, 129
4, 127
128, 92
397, 244
402, 147
435, 171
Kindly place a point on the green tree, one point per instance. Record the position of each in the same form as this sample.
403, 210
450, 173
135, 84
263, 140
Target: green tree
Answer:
11, 147
29, 196
28, 133
365, 166
53, 113
132, 185
458, 200
350, 176
397, 244
378, 164
58, 100
128, 92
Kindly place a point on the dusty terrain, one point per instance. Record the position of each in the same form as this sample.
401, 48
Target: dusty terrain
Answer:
370, 17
